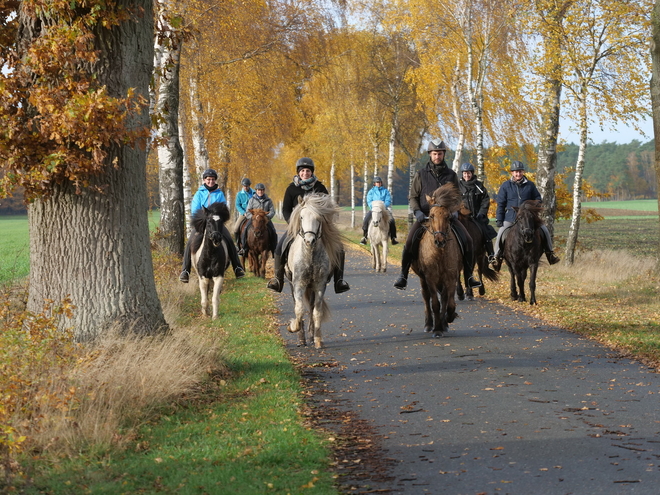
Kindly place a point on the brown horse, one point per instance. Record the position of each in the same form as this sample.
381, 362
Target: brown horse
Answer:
439, 260
480, 256
523, 248
257, 247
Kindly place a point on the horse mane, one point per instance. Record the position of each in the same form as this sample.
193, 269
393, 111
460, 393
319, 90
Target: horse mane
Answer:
534, 207
199, 218
447, 196
325, 208
383, 209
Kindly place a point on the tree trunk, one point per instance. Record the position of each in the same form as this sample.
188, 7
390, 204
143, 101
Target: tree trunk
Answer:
655, 92
571, 241
170, 153
352, 193
365, 189
455, 95
390, 159
200, 149
94, 247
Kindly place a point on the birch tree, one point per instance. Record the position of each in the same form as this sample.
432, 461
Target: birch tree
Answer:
655, 92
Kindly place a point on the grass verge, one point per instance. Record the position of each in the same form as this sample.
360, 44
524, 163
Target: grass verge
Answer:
239, 431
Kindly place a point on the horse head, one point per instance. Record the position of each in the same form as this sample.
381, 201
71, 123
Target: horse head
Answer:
377, 212
310, 226
527, 217
438, 225
259, 221
215, 215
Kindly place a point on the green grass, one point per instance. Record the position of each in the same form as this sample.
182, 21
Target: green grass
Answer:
244, 434
650, 205
14, 248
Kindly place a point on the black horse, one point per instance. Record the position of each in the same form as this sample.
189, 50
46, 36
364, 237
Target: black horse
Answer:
210, 255
523, 248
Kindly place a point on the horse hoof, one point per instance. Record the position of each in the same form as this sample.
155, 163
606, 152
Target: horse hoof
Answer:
470, 298
482, 291
437, 335
461, 297
428, 329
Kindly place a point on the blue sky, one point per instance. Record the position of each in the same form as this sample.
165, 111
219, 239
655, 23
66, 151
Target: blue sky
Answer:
622, 135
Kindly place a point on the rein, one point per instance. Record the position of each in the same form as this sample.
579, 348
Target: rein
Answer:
316, 234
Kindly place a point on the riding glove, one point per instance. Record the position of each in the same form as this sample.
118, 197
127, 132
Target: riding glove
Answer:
419, 215
499, 224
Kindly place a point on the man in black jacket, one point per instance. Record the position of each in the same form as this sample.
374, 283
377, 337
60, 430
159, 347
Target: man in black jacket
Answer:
426, 180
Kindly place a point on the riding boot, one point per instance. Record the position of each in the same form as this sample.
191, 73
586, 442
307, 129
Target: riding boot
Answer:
277, 283
406, 261
364, 237
489, 248
393, 232
233, 255
468, 257
340, 283
187, 262
547, 247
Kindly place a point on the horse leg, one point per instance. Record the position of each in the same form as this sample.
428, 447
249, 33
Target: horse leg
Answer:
316, 306
428, 315
297, 323
521, 277
374, 256
468, 290
513, 292
264, 262
383, 259
481, 268
532, 283
450, 304
203, 291
438, 313
217, 289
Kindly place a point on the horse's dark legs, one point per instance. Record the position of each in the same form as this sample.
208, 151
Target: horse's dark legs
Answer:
513, 288
459, 289
532, 283
521, 277
426, 296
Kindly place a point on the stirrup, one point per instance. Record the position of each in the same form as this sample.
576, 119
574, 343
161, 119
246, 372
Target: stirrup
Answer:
239, 272
394, 241
241, 252
363, 241
276, 284
341, 286
473, 282
184, 277
401, 283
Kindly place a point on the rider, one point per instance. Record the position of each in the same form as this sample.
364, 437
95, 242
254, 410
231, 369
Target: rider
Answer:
260, 201
242, 198
426, 180
210, 193
477, 200
379, 193
514, 192
305, 182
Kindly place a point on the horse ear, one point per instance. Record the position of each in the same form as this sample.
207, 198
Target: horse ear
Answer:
206, 210
300, 199
430, 199
515, 208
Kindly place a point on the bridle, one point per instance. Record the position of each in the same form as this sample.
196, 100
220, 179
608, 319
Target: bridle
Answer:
440, 237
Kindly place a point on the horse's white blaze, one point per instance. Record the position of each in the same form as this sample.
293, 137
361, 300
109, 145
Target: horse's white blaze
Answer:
216, 218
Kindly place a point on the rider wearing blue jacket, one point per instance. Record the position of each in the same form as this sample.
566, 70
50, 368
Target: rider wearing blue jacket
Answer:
242, 198
512, 193
379, 193
205, 196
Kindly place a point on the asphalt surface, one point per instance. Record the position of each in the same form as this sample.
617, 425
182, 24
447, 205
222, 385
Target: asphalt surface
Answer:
503, 404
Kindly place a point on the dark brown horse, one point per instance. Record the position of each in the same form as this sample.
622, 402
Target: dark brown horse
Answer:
439, 260
257, 247
523, 248
480, 256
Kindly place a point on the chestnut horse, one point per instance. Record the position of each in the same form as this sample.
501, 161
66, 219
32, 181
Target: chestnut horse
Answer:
439, 260
257, 247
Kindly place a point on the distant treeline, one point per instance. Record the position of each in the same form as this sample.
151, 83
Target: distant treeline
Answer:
623, 171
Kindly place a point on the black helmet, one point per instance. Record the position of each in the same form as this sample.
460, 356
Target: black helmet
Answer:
436, 145
209, 172
260, 186
304, 163
246, 182
377, 179
517, 166
467, 167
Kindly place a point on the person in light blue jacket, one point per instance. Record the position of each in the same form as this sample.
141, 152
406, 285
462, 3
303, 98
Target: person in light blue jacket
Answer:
241, 203
379, 193
206, 195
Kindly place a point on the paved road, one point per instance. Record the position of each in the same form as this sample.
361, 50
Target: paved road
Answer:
503, 404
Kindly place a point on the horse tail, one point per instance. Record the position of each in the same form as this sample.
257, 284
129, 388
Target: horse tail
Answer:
490, 274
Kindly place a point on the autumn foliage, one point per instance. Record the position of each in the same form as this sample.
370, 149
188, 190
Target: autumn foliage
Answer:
57, 121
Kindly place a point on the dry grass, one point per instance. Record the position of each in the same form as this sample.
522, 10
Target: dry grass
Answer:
605, 267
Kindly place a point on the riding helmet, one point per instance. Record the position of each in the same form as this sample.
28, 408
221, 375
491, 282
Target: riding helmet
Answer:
467, 167
246, 182
377, 179
516, 165
260, 186
305, 163
209, 172
436, 145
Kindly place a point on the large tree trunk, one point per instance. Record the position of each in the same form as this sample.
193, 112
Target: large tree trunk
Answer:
202, 161
170, 153
93, 247
655, 92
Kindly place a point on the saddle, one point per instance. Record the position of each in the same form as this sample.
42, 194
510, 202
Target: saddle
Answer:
503, 238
